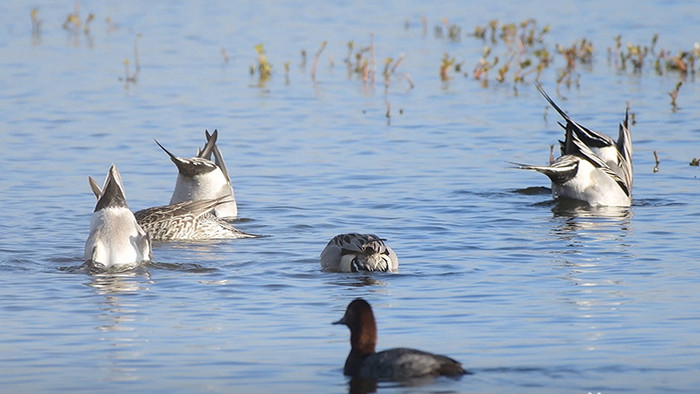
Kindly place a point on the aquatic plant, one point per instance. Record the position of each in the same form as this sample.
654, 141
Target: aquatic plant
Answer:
36, 22
390, 67
36, 26
302, 64
372, 62
501, 75
364, 63
656, 163
579, 52
642, 56
387, 70
348, 58
110, 25
263, 67
316, 56
360, 64
401, 57
72, 22
683, 62
286, 73
225, 55
445, 65
388, 114
551, 154
524, 50
130, 77
454, 32
674, 95
409, 80
481, 31
88, 21
484, 65
636, 54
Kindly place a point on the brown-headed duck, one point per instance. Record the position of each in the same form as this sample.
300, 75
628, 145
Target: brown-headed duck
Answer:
394, 364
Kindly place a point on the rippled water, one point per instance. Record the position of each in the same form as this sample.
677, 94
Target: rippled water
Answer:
530, 295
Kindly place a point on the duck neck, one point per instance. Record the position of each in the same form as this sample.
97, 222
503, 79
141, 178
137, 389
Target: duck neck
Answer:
363, 341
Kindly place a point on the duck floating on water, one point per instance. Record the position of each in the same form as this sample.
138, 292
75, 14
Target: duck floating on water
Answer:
116, 239
183, 221
389, 365
188, 221
355, 252
592, 168
201, 179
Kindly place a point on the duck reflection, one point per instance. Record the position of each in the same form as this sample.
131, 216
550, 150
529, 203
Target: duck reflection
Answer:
357, 280
591, 233
357, 385
117, 313
117, 283
579, 219
589, 260
573, 209
362, 386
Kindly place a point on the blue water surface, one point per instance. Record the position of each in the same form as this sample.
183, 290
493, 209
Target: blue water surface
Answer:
530, 295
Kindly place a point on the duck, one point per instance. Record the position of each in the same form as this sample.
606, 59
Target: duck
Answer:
188, 221
353, 252
397, 364
183, 221
201, 179
593, 168
116, 240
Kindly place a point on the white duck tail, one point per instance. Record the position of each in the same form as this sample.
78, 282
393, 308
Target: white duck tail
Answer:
116, 239
201, 179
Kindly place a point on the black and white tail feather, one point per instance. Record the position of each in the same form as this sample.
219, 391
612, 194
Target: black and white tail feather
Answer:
616, 154
592, 167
